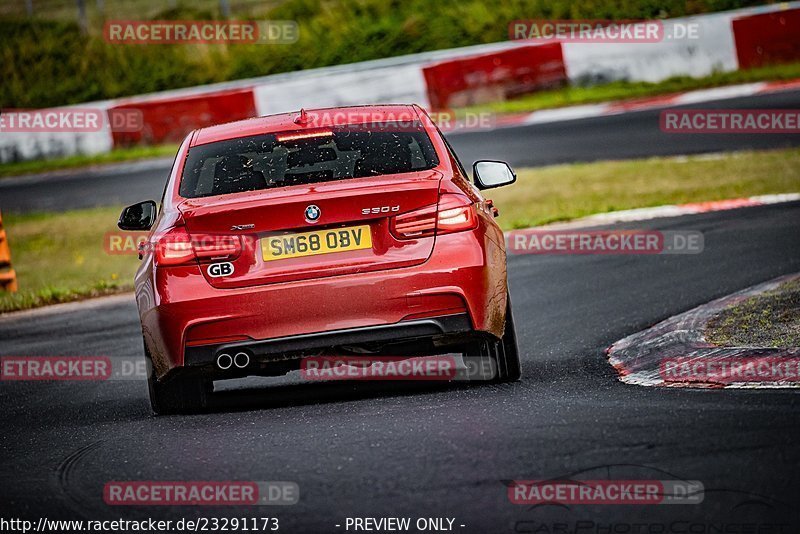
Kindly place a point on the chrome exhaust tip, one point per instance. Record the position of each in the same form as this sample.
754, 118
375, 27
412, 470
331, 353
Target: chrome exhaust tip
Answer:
224, 361
241, 360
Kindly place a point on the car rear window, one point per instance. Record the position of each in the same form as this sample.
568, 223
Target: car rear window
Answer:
303, 157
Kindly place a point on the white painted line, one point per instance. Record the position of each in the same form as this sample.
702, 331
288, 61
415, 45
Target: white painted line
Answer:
776, 199
719, 93
617, 107
567, 114
669, 210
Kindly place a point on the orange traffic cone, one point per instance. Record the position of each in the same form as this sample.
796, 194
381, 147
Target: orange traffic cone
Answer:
8, 278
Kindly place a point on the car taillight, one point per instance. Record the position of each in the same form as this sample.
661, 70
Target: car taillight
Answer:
454, 213
415, 224
174, 248
178, 247
209, 247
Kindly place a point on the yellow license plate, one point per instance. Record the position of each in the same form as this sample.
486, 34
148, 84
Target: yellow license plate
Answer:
316, 242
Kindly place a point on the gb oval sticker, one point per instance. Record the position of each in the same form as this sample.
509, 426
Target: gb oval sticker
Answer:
217, 270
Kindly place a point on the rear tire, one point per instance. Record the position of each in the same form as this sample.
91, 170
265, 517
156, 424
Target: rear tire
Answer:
496, 360
509, 368
177, 395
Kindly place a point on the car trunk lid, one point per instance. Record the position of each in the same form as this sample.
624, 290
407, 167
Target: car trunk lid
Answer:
312, 231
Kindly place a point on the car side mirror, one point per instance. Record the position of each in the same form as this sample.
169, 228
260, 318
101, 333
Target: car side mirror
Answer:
139, 216
489, 174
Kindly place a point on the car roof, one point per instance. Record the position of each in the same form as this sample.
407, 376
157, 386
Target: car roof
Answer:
309, 119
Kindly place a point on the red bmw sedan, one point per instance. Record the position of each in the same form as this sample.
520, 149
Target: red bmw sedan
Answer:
343, 231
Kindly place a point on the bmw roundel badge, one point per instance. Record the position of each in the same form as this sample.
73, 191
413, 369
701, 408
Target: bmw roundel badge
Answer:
312, 213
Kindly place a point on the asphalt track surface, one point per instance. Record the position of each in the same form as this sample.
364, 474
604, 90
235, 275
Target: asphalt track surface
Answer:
428, 450
378, 449
630, 135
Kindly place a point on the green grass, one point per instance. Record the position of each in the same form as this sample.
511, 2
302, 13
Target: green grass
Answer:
61, 257
564, 192
771, 319
572, 96
70, 162
129, 9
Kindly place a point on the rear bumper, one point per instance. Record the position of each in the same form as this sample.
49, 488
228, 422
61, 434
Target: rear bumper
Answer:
460, 289
433, 329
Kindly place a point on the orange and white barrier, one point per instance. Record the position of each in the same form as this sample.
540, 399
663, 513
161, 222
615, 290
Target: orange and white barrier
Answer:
689, 46
8, 278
